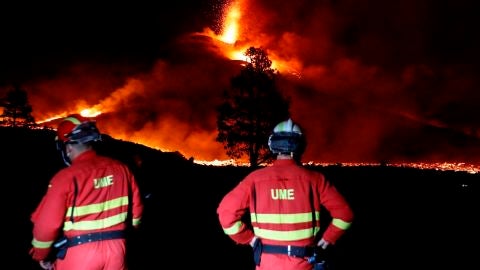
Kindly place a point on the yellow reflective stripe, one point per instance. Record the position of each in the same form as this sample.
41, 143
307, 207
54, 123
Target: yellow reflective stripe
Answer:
41, 244
283, 218
98, 207
341, 224
73, 120
95, 224
286, 235
136, 222
235, 228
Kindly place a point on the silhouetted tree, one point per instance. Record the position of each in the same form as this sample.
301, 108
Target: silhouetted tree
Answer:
250, 109
17, 112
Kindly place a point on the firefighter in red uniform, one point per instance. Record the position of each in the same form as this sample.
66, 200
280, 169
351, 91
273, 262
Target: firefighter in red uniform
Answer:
91, 203
284, 202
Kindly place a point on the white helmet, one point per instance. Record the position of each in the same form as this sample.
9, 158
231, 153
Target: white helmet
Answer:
287, 138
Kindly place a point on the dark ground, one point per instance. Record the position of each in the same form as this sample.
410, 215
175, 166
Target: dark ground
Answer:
405, 218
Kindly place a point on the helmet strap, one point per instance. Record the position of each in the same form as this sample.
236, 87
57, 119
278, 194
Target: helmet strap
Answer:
61, 147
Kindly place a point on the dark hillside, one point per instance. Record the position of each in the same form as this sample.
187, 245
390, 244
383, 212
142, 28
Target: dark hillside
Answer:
405, 218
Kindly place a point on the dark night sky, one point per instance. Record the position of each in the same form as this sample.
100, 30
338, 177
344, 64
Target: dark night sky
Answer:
40, 38
378, 79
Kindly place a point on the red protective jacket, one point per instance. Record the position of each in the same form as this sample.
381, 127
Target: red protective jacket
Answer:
106, 190
284, 202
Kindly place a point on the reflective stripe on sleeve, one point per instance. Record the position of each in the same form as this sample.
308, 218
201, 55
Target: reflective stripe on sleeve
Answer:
234, 229
341, 224
41, 244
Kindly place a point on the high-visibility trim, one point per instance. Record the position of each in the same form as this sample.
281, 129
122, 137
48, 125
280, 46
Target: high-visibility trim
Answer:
234, 229
293, 235
95, 224
97, 207
284, 218
341, 224
41, 244
74, 120
136, 221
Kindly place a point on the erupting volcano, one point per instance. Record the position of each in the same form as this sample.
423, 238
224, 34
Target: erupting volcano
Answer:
366, 85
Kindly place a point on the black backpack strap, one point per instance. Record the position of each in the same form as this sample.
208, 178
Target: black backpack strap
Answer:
75, 193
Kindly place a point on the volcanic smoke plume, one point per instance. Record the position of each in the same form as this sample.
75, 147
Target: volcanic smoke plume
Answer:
370, 81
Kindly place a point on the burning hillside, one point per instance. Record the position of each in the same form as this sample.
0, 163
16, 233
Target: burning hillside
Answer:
361, 94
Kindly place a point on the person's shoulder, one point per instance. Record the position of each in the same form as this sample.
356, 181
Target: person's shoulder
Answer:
64, 171
260, 170
313, 172
64, 174
108, 158
116, 162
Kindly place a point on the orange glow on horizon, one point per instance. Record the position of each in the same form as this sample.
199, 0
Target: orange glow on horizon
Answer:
168, 104
90, 112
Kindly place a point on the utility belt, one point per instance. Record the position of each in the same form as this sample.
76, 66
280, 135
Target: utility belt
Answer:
312, 254
294, 251
64, 243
